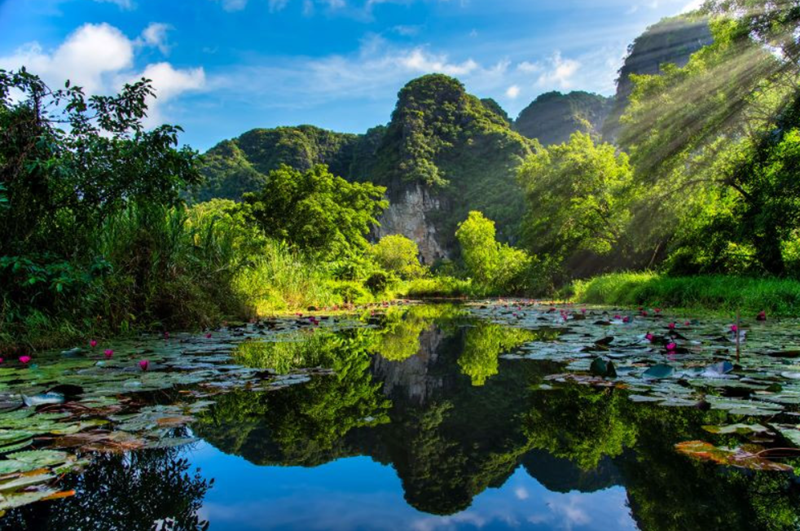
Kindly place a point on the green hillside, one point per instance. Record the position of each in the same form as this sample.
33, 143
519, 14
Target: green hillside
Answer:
553, 117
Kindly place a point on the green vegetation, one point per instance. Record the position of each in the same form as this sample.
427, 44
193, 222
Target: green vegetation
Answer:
553, 117
719, 293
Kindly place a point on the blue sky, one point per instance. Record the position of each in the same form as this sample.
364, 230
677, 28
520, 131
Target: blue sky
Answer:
222, 67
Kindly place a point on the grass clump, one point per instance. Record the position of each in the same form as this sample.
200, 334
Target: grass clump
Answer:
716, 293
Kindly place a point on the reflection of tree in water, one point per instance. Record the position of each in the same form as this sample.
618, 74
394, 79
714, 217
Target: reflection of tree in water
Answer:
579, 423
461, 439
484, 342
149, 489
666, 490
303, 424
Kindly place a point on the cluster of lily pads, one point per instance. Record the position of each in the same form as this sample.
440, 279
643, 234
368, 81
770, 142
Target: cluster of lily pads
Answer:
61, 406
747, 369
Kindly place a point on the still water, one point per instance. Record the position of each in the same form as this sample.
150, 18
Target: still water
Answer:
431, 419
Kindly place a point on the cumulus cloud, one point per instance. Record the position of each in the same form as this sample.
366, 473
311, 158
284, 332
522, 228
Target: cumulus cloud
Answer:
558, 72
513, 91
100, 58
418, 60
155, 35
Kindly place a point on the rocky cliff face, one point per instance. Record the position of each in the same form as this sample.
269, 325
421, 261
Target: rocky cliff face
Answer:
409, 214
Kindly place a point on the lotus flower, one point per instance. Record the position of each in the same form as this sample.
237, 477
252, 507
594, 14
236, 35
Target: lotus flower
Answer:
687, 323
617, 317
734, 328
583, 310
657, 310
208, 335
648, 336
626, 319
644, 313
671, 326
762, 316
1, 360
144, 364
108, 353
24, 359
92, 343
671, 347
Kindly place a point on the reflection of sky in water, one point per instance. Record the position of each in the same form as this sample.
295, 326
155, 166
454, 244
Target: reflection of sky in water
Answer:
358, 493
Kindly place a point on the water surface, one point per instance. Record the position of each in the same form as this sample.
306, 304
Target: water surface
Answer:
439, 417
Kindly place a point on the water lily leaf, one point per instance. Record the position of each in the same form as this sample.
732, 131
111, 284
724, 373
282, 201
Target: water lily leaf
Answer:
737, 457
25, 481
25, 498
790, 432
12, 466
739, 429
657, 372
41, 458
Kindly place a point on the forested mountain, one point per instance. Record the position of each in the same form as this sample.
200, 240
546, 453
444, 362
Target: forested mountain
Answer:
670, 41
553, 117
446, 152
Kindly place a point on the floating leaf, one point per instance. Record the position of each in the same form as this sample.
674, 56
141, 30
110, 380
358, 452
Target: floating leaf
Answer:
739, 429
737, 457
657, 372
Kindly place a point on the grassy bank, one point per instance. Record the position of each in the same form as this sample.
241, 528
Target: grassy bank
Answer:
715, 293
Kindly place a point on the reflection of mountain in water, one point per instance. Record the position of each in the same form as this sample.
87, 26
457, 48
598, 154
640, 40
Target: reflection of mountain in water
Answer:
449, 438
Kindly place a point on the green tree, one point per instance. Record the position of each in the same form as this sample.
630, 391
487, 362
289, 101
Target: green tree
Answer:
575, 193
495, 266
316, 211
400, 255
709, 140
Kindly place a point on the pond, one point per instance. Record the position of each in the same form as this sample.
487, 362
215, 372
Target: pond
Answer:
494, 415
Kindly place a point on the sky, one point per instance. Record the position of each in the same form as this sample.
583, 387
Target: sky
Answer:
222, 67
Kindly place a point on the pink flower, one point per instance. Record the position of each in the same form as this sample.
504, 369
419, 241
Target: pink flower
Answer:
24, 359
687, 323
671, 326
1, 360
617, 317
762, 316
144, 364
583, 310
657, 310
108, 353
734, 328
644, 313
671, 347
648, 336
92, 343
208, 335
626, 319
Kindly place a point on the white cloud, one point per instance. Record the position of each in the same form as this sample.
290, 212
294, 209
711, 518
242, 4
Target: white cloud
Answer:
529, 67
521, 493
155, 35
513, 92
418, 60
100, 58
234, 5
124, 4
559, 72
87, 57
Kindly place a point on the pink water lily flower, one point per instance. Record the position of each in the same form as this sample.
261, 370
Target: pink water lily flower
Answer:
208, 335
648, 336
108, 353
144, 364
762, 316
24, 359
671, 326
671, 346
626, 319
92, 343
734, 328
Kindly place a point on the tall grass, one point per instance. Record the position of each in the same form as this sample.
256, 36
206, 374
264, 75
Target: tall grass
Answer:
716, 293
279, 279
